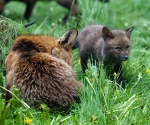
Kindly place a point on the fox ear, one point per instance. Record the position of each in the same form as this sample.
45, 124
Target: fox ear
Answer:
107, 33
129, 31
67, 40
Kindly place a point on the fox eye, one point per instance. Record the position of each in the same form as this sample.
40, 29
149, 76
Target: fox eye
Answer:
128, 46
118, 48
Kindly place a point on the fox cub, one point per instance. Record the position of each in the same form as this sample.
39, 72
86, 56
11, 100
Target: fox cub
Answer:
99, 43
41, 69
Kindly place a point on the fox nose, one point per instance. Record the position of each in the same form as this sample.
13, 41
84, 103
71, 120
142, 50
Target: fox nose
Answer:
125, 58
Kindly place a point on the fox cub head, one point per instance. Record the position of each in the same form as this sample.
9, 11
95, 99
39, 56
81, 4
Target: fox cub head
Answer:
31, 44
64, 49
117, 44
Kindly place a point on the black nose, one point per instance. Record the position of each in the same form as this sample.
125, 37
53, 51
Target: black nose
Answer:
125, 58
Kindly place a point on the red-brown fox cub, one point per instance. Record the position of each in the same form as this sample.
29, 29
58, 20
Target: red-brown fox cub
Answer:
98, 43
41, 68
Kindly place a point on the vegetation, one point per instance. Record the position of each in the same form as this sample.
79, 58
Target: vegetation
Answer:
102, 102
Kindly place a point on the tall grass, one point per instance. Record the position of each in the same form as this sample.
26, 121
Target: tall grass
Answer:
102, 101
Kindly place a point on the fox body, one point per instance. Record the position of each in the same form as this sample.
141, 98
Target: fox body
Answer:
99, 43
41, 69
69, 4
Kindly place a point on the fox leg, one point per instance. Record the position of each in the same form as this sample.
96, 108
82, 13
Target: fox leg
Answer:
118, 70
83, 61
68, 4
29, 9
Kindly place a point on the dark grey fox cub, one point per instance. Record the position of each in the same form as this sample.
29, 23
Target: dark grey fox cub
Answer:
102, 44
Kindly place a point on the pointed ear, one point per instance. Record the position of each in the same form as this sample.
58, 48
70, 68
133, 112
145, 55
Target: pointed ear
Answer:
67, 40
107, 33
129, 31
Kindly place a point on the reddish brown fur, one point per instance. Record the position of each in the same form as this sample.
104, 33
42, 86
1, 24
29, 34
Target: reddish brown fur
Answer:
40, 67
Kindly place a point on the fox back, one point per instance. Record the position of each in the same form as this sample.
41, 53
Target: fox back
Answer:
99, 43
41, 69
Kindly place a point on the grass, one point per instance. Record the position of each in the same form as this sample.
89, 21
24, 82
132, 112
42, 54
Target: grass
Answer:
102, 102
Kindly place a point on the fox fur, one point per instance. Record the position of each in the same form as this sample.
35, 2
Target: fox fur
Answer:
100, 44
41, 69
